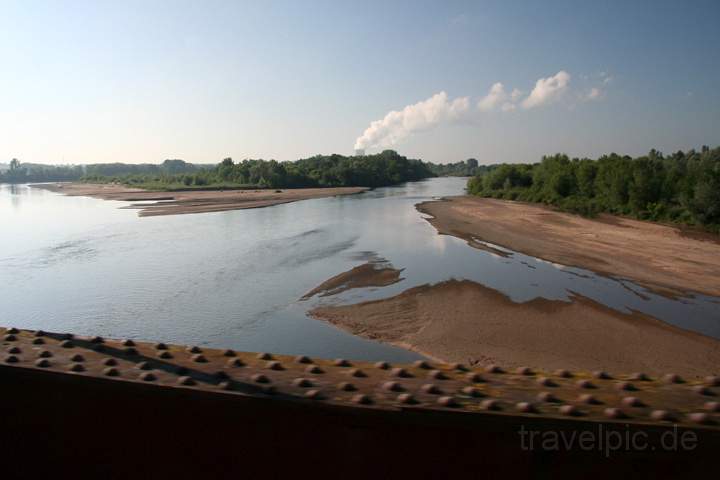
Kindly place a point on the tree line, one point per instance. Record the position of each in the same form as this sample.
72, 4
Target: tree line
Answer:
681, 188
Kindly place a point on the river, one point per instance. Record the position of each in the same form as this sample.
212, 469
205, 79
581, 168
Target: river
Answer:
234, 279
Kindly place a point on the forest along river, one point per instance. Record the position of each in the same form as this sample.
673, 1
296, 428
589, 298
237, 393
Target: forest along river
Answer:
234, 279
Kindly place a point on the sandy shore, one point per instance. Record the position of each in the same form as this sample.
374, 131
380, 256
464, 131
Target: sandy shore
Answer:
663, 258
195, 201
371, 274
467, 322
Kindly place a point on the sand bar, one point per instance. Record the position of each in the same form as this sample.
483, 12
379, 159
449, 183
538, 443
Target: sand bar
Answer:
664, 258
464, 321
194, 201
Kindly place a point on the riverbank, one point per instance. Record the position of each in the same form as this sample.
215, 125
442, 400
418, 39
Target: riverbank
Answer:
194, 201
666, 259
463, 321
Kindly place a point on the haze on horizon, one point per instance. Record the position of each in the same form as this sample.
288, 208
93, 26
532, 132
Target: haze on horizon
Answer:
136, 82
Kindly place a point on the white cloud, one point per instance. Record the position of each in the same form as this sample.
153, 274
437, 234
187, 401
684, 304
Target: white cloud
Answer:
547, 90
421, 116
495, 97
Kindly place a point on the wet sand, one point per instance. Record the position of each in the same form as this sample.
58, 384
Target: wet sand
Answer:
663, 258
466, 322
194, 201
371, 274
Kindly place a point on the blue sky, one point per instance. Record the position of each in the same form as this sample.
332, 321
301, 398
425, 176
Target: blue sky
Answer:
141, 81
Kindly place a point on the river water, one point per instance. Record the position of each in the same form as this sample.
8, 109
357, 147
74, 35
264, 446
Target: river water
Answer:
234, 279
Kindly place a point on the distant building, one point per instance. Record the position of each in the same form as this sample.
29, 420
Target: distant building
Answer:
359, 152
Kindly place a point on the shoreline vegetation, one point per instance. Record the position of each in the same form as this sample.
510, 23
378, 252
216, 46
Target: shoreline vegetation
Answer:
681, 188
155, 203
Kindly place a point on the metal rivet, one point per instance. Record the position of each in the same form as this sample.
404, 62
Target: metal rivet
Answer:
42, 362
128, 343
712, 406
490, 404
614, 413
546, 382
639, 377
45, 354
475, 378
14, 350
130, 351
472, 392
199, 358
67, 344
110, 362
161, 346
393, 387
361, 399
111, 372
97, 339
437, 375
302, 383
457, 366
589, 399
400, 372
346, 387
314, 369
11, 359
422, 364
38, 341
570, 410
662, 416
494, 369
407, 399
524, 371
77, 358
431, 389
260, 378
712, 381
382, 365
547, 397
39, 333
264, 356
10, 338
526, 407
165, 354
562, 373
673, 378
235, 362
585, 384
601, 375
143, 366
274, 365
447, 401
341, 362
313, 394
702, 390
356, 372
194, 349
632, 402
185, 380
229, 353
626, 386
699, 417
13, 330
303, 359
147, 377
